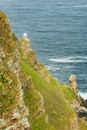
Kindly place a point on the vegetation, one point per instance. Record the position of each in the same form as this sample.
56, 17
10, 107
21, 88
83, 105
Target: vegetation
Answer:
8, 80
8, 91
7, 39
57, 109
48, 101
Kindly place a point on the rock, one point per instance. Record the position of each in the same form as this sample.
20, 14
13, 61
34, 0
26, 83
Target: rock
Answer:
72, 80
2, 55
41, 107
79, 109
85, 103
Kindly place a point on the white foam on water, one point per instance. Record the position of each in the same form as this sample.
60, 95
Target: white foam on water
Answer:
67, 67
75, 59
49, 67
52, 68
83, 95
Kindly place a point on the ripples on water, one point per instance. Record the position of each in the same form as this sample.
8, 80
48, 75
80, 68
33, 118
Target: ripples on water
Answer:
58, 33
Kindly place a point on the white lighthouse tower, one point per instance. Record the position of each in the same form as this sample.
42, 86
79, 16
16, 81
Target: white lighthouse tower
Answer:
25, 37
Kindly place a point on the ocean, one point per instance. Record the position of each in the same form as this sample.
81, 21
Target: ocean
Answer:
57, 30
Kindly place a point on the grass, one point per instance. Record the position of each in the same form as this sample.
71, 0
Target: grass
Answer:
57, 109
8, 91
68, 93
82, 125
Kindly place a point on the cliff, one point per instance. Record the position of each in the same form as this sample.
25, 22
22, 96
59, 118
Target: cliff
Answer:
30, 98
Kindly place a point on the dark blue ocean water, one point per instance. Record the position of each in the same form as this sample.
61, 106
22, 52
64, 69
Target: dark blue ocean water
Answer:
58, 33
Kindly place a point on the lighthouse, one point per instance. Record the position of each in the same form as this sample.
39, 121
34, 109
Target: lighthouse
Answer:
25, 37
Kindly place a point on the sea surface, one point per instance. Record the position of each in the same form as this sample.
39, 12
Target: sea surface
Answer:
58, 33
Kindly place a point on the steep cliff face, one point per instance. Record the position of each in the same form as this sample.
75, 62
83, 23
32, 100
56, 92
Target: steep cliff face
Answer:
30, 98
13, 112
29, 56
59, 102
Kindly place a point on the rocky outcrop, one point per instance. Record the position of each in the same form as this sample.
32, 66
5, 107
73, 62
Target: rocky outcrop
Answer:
15, 119
79, 104
72, 80
80, 109
85, 103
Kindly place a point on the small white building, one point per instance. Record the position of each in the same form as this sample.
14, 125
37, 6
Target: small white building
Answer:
25, 37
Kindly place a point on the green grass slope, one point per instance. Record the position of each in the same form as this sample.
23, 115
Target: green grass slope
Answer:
57, 108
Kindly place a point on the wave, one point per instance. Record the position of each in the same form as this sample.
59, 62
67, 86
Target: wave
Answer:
83, 95
52, 68
74, 6
67, 67
49, 67
75, 59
